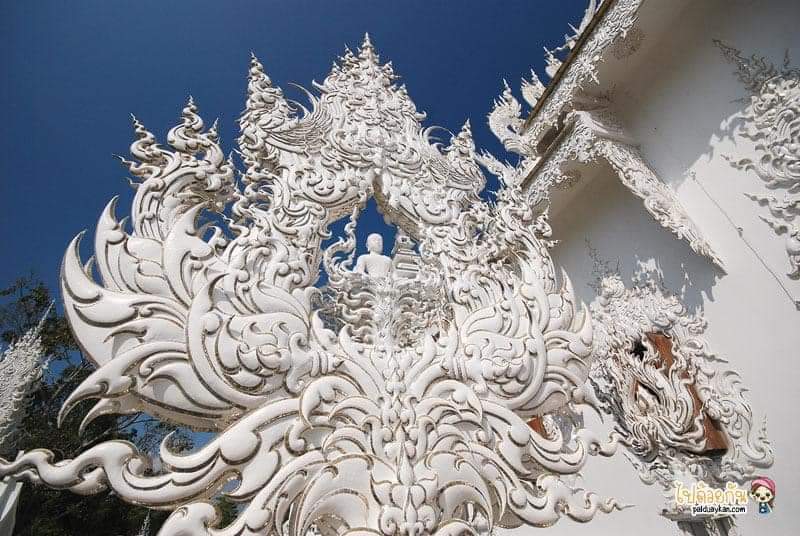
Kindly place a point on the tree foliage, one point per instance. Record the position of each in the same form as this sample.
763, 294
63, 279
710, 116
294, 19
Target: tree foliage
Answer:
44, 512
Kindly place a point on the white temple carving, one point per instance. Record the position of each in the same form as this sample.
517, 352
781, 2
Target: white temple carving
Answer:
21, 367
455, 381
771, 122
410, 416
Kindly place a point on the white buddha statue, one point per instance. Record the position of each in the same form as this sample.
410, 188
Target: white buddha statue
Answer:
374, 263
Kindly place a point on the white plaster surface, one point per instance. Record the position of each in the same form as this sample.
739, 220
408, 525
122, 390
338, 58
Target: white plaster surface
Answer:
678, 101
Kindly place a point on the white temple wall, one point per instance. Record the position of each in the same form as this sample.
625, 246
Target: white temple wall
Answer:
744, 313
678, 103
681, 101
614, 223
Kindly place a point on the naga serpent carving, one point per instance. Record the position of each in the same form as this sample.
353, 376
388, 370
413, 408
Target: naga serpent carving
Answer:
396, 406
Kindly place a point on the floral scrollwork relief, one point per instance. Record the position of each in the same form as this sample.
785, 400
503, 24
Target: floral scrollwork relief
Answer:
392, 401
682, 414
771, 120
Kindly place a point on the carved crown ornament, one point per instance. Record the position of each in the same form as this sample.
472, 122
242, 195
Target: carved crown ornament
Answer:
683, 416
392, 401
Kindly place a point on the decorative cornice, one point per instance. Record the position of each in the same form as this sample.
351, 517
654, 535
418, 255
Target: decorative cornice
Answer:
613, 20
588, 136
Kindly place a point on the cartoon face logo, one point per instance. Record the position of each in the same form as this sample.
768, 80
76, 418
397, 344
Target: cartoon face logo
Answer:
762, 490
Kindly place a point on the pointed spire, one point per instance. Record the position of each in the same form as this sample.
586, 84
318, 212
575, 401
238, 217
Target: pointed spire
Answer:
144, 138
348, 60
257, 75
213, 132
506, 89
388, 71
506, 98
145, 149
532, 90
553, 63
588, 15
367, 50
186, 136
461, 156
21, 367
261, 94
190, 118
466, 134
265, 110
367, 43
463, 140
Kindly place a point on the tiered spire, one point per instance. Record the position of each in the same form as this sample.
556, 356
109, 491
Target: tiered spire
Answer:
463, 140
266, 112
266, 107
21, 367
367, 51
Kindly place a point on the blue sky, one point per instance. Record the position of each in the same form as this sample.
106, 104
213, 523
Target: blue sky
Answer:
74, 71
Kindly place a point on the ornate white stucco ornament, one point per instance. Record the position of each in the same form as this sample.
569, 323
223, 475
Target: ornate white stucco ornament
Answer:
533, 89
505, 119
771, 121
682, 416
613, 22
21, 368
573, 126
397, 404
586, 137
570, 40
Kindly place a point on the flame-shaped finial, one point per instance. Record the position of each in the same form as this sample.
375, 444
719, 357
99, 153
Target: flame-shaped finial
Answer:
257, 75
367, 50
366, 43
466, 132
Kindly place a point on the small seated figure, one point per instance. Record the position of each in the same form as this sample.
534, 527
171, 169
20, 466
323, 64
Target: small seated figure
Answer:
374, 263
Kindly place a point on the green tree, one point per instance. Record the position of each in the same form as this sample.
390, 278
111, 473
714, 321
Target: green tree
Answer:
45, 512
228, 511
